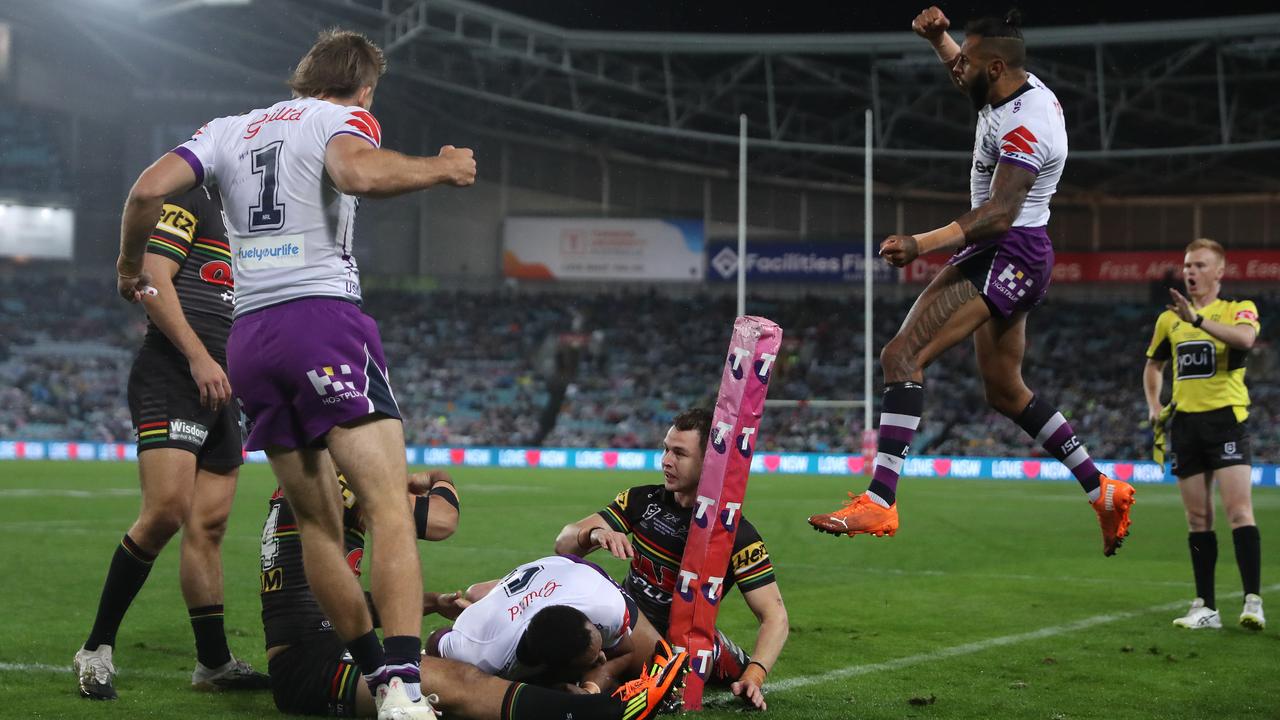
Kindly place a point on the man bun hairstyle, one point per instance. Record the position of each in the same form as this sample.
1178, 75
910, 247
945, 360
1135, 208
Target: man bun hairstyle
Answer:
338, 65
557, 635
1003, 36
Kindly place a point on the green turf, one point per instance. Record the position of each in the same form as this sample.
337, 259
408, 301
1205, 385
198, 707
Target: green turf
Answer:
916, 616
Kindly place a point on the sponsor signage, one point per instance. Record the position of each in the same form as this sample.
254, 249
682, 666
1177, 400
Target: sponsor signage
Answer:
1125, 267
602, 249
762, 461
795, 262
36, 232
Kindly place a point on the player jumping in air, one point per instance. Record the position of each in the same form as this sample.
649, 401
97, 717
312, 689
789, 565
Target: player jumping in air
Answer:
305, 362
1000, 271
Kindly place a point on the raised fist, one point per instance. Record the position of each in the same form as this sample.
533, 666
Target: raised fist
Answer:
930, 24
463, 162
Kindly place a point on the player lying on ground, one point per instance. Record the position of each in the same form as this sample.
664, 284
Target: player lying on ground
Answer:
189, 446
1000, 271
554, 620
305, 362
312, 673
657, 517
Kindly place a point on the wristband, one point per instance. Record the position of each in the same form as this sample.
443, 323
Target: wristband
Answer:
760, 665
1198, 321
586, 544
942, 237
447, 493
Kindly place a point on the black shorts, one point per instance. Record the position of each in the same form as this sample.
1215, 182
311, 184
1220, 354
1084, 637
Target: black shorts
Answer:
1206, 441
315, 677
165, 405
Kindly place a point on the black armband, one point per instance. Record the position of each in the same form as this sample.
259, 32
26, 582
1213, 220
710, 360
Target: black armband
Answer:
420, 506
447, 493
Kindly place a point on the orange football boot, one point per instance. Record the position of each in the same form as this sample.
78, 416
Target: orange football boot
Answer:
860, 515
659, 689
1112, 506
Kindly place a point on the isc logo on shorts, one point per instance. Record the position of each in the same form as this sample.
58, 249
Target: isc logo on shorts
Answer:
1196, 359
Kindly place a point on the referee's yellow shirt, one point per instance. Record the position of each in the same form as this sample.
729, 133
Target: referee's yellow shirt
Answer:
1207, 375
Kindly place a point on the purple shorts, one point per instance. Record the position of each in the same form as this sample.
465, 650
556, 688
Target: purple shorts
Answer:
303, 367
1012, 272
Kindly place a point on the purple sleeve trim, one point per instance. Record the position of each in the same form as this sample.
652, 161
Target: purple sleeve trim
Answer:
1020, 163
193, 161
362, 136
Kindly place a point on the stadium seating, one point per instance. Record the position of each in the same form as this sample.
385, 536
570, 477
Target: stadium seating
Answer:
481, 368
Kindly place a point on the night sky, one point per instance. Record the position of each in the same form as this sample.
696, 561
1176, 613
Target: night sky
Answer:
819, 17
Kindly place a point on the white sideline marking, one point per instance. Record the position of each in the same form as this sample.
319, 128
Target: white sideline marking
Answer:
975, 647
45, 667
52, 492
992, 576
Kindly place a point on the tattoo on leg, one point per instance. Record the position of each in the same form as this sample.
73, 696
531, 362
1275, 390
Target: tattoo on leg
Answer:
925, 327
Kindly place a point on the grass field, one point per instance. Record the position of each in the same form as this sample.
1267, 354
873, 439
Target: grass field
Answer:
993, 601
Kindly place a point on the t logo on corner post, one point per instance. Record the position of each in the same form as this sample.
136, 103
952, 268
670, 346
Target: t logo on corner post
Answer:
728, 515
744, 441
718, 435
736, 356
687, 578
705, 507
711, 590
763, 366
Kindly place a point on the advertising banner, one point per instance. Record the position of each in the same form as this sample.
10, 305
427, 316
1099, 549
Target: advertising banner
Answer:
602, 249
763, 462
795, 262
1124, 267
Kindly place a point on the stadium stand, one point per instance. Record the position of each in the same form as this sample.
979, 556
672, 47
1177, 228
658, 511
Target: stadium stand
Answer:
610, 370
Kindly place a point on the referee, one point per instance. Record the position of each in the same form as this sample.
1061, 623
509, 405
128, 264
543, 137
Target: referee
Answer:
1209, 338
189, 444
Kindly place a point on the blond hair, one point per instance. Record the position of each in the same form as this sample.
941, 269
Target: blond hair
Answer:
1211, 245
338, 65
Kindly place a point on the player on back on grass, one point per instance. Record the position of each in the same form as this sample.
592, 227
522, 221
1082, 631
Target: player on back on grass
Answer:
999, 272
305, 362
658, 518
189, 440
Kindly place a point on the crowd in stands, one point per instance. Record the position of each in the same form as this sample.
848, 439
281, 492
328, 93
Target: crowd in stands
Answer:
612, 369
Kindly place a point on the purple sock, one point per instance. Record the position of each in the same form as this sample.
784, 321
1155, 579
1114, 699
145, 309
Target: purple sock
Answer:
1042, 422
899, 417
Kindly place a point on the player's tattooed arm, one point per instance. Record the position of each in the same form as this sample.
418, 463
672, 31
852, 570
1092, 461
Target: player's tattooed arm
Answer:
1009, 190
932, 25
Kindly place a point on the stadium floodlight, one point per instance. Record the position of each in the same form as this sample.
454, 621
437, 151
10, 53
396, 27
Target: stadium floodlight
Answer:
173, 7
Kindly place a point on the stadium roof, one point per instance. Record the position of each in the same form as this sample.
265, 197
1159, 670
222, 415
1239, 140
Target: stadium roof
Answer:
1168, 106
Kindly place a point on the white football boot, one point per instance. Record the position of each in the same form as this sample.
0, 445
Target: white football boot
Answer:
1251, 617
394, 704
1199, 617
96, 673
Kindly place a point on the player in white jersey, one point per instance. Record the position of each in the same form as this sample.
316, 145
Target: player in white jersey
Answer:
305, 363
999, 272
558, 619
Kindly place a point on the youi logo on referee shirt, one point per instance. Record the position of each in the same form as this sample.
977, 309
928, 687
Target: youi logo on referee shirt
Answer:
334, 386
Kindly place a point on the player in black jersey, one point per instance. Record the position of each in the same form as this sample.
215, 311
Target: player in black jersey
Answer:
657, 519
189, 445
313, 674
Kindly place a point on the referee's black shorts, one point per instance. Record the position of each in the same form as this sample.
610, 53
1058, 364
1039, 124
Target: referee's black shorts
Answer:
1205, 441
315, 676
165, 405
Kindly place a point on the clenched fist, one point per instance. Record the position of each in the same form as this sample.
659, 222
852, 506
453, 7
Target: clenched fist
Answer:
900, 250
930, 24
463, 162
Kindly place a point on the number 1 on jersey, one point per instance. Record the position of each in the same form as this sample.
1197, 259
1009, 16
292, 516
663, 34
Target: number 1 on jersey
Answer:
267, 214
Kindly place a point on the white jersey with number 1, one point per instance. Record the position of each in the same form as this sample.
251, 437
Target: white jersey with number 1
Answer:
486, 634
1026, 129
291, 230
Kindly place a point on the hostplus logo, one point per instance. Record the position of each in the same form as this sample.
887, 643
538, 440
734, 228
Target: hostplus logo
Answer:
330, 387
1014, 282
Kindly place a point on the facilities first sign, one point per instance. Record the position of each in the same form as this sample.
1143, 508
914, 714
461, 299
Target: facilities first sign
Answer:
602, 249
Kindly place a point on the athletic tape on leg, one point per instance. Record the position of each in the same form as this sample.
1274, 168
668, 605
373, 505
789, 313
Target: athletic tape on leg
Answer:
721, 490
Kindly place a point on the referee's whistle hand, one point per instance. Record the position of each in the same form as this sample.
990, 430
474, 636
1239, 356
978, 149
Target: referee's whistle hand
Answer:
215, 389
